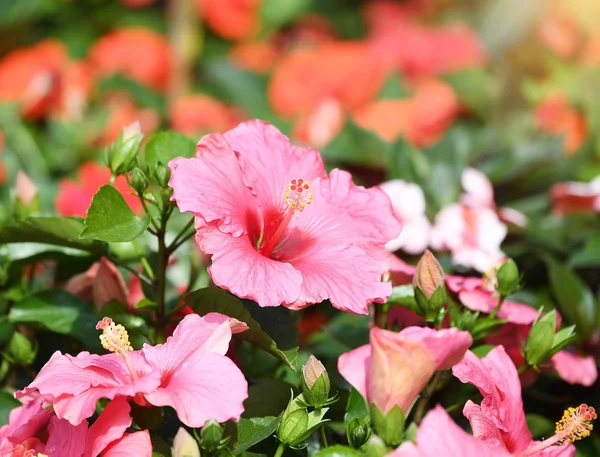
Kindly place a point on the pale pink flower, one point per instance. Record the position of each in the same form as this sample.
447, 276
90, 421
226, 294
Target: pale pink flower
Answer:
575, 369
408, 203
395, 367
499, 421
107, 434
101, 283
184, 445
189, 372
278, 229
25, 189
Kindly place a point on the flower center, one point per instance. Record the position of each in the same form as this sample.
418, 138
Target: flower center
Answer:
296, 195
573, 426
115, 339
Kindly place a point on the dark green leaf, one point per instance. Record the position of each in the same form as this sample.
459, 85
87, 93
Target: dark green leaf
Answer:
338, 451
355, 145
540, 426
59, 312
268, 397
58, 231
588, 255
20, 350
254, 430
165, 146
7, 404
356, 407
575, 299
110, 219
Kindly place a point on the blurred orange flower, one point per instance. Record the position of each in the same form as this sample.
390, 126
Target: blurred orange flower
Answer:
123, 112
140, 54
422, 119
75, 86
231, 19
29, 77
254, 56
343, 71
557, 117
560, 34
200, 114
590, 55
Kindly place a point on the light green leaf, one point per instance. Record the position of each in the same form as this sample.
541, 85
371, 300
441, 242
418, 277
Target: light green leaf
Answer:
165, 146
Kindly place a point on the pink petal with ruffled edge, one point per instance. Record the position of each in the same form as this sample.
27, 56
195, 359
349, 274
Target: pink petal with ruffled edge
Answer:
197, 380
439, 436
574, 369
446, 347
354, 365
136, 444
210, 186
269, 161
483, 427
239, 268
498, 381
109, 427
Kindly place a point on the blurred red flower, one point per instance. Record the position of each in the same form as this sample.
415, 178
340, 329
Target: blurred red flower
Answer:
231, 19
557, 117
343, 71
75, 195
199, 114
123, 112
28, 77
254, 56
421, 119
140, 54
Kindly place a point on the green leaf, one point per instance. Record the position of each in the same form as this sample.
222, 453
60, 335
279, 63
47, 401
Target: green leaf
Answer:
275, 13
59, 312
268, 397
355, 145
271, 329
20, 350
393, 88
539, 425
165, 146
110, 219
338, 451
254, 430
357, 407
472, 88
574, 297
540, 339
588, 255
7, 404
57, 231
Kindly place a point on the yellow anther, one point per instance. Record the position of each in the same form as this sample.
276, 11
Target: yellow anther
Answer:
575, 424
114, 337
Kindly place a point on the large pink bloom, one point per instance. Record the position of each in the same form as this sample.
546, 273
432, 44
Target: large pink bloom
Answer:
278, 229
106, 436
189, 372
395, 367
499, 420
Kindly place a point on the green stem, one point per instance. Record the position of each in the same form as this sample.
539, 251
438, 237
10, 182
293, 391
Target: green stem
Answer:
523, 368
143, 260
323, 435
142, 277
280, 450
182, 237
161, 278
147, 211
427, 394
497, 308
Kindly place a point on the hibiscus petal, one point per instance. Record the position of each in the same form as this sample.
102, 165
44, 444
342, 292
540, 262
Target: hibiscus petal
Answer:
65, 439
574, 369
136, 444
207, 386
269, 161
210, 186
353, 366
109, 427
446, 347
239, 268
483, 428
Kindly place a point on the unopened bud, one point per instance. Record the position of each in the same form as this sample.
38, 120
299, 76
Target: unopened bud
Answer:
429, 275
358, 433
184, 445
507, 277
163, 174
123, 151
25, 189
315, 382
211, 434
389, 427
139, 182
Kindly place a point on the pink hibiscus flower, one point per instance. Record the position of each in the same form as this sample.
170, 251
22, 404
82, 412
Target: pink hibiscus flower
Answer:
189, 372
395, 367
438, 435
106, 436
278, 229
499, 420
408, 202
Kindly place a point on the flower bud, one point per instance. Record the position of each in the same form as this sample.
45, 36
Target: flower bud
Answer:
315, 382
297, 424
25, 189
507, 277
123, 151
358, 433
389, 427
184, 445
541, 339
428, 281
139, 182
162, 175
211, 435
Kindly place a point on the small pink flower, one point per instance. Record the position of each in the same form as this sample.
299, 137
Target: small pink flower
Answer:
278, 229
408, 203
395, 367
189, 372
499, 420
